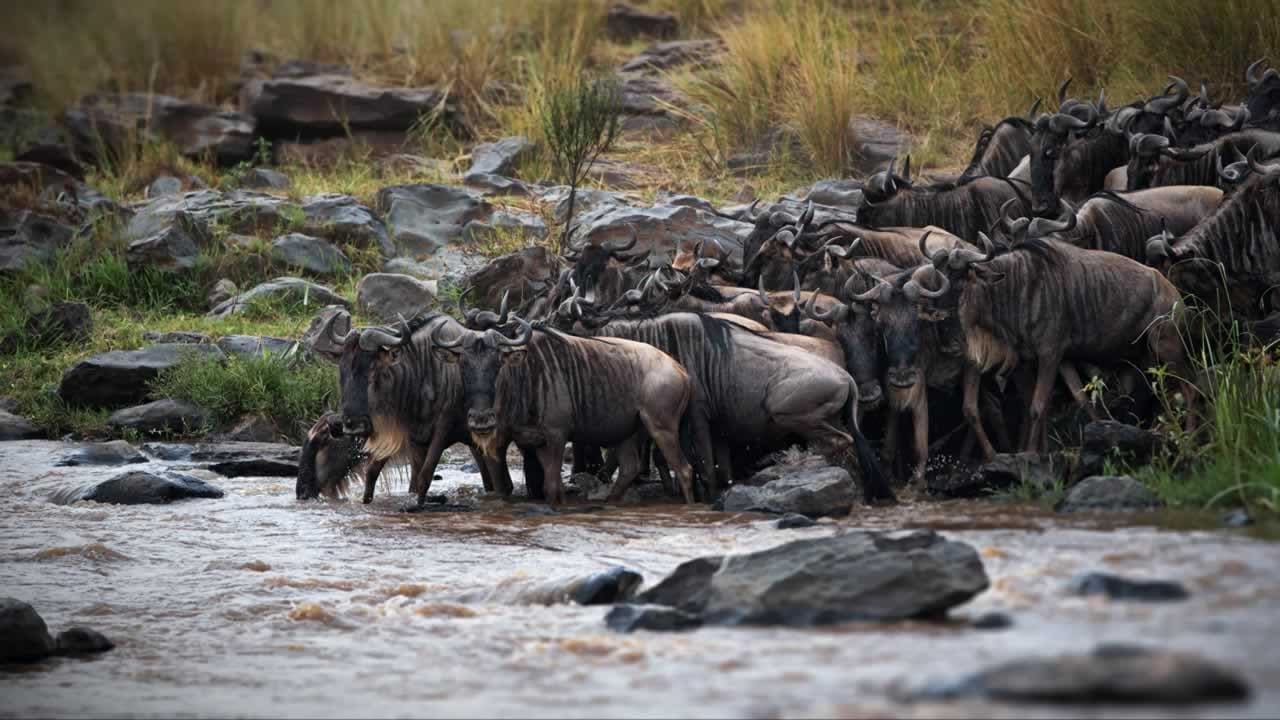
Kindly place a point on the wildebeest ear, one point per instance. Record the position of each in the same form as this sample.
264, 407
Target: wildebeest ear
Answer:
512, 355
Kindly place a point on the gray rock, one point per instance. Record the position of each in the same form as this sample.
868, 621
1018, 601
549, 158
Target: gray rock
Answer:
254, 345
498, 157
23, 635
629, 618
169, 231
1110, 674
123, 377
1108, 492
341, 218
585, 200
660, 230
224, 452
118, 122
875, 144
813, 492
525, 226
863, 576
332, 103
667, 55
424, 218
1004, 471
388, 297
529, 274
60, 322
115, 452
1120, 588
1237, 518
792, 521
283, 289
312, 254
692, 201
620, 174
625, 23
301, 68
1105, 440
13, 427
176, 336
164, 185
82, 641
143, 488
264, 179
992, 621
645, 101
320, 343
222, 291
29, 238
250, 428
160, 417
840, 193
255, 467
498, 185
8, 404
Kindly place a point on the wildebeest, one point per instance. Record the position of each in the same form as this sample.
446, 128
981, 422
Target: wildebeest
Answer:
1123, 223
1263, 101
602, 271
543, 389
1154, 162
1000, 148
328, 460
961, 209
897, 245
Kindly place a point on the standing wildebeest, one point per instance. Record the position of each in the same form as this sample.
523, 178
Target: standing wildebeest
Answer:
1123, 224
1000, 148
963, 210
544, 389
1053, 303
1154, 163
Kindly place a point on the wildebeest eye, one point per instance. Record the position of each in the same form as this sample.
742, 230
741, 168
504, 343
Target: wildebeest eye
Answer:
393, 354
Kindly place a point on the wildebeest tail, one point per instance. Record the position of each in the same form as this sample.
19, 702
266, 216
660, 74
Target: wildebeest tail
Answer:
874, 485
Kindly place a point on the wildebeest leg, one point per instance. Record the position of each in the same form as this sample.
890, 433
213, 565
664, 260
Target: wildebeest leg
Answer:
995, 416
1045, 374
972, 376
668, 441
1072, 378
534, 484
889, 453
664, 470
1026, 386
703, 448
588, 459
551, 457
628, 455
920, 424
427, 468
371, 474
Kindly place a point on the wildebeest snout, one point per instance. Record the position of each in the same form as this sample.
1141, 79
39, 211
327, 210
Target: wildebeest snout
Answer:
870, 395
358, 425
481, 421
903, 377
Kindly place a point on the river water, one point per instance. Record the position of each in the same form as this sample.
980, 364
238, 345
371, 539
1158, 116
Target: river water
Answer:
257, 604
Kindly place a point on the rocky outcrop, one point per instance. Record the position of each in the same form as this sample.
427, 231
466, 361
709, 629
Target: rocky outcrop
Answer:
120, 122
262, 179
1108, 492
28, 238
283, 289
528, 274
341, 218
331, 103
1115, 587
525, 226
629, 618
123, 377
668, 55
810, 491
143, 488
660, 230
167, 416
499, 157
426, 217
389, 297
14, 427
645, 103
314, 255
625, 23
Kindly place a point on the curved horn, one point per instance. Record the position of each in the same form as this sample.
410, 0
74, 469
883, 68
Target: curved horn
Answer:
875, 294
1040, 227
521, 339
502, 308
795, 280
844, 252
764, 295
1168, 130
1147, 144
1062, 123
437, 342
811, 309
376, 337
1062, 91
615, 249
780, 218
1119, 120
1031, 114
1251, 75
924, 292
1256, 164
750, 214
1159, 246
1101, 105
906, 169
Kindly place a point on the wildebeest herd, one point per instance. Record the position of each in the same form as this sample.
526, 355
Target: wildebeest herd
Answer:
1110, 241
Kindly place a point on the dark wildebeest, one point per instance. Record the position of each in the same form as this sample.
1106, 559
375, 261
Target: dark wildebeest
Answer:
1000, 148
897, 245
1263, 101
1154, 163
962, 210
766, 226
1206, 124
1057, 304
544, 389
1123, 223
1231, 261
329, 460
1071, 157
602, 271
690, 292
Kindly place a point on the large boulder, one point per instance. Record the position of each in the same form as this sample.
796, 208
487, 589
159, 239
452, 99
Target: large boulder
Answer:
862, 576
528, 274
812, 491
341, 218
426, 217
1108, 492
123, 377
498, 157
498, 185
28, 238
1105, 440
331, 103
14, 427
254, 345
282, 289
668, 55
660, 230
167, 416
23, 635
625, 23
388, 297
311, 254
119, 122
137, 487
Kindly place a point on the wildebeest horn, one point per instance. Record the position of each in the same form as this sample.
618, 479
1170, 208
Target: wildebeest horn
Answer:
522, 338
906, 168
843, 252
1159, 246
330, 328
750, 214
914, 287
1040, 227
1251, 75
933, 258
615, 249
1061, 123
1168, 130
811, 309
786, 236
1031, 114
795, 280
1119, 120
764, 295
876, 293
1143, 144
377, 337
1101, 105
1165, 103
1256, 164
450, 345
1062, 91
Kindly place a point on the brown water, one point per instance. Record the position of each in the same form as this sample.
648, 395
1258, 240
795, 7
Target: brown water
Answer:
257, 604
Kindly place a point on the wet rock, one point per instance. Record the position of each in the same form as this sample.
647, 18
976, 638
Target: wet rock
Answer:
319, 342
438, 506
164, 185
123, 377
498, 157
660, 230
667, 55
525, 226
1004, 471
617, 584
331, 103
629, 618
219, 452
992, 621
876, 144
29, 238
1237, 518
813, 492
840, 193
263, 179
341, 218
625, 23
14, 427
1115, 587
115, 452
793, 521
427, 217
1110, 674
282, 289
23, 635
143, 488
254, 345
60, 322
312, 254
222, 291
1108, 492
1109, 440
529, 274
160, 417
254, 467
498, 185
176, 336
82, 641
863, 576
118, 122
389, 297
250, 428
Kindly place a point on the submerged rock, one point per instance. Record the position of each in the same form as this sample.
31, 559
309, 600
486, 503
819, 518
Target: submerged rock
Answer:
615, 585
82, 641
23, 635
992, 621
629, 618
1121, 588
811, 491
143, 488
1108, 492
792, 521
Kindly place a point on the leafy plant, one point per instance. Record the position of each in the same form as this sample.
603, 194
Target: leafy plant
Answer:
579, 122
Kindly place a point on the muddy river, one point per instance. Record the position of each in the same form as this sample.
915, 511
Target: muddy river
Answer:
257, 604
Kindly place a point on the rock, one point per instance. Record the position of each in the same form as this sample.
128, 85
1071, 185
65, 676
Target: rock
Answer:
13, 427
60, 322
1108, 492
529, 274
282, 289
115, 452
1042, 471
498, 185
263, 179
312, 254
1109, 440
164, 185
254, 345
427, 217
450, 264
143, 488
625, 23
875, 144
614, 585
1110, 674
525, 226
619, 174
122, 121
499, 157
341, 218
585, 200
250, 428
10, 404
409, 164
29, 238
863, 576
123, 377
331, 153
332, 103
660, 230
692, 201
992, 621
1239, 517
82, 641
1120, 588
254, 467
222, 291
160, 417
388, 297
177, 336
173, 246
169, 231
319, 342
58, 193
23, 635
219, 452
301, 68
667, 55
645, 103
792, 521
818, 492
617, 584
840, 193
629, 618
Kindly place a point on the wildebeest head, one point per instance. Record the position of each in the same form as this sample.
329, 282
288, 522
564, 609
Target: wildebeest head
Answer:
784, 308
690, 254
770, 255
594, 263
883, 185
328, 461
1264, 90
1052, 138
1146, 151
856, 332
481, 356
